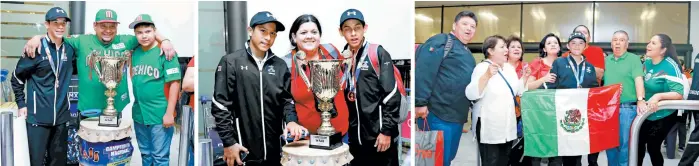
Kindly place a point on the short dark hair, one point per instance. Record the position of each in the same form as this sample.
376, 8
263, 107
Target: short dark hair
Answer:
622, 31
297, 24
145, 24
465, 13
512, 39
490, 42
576, 27
542, 45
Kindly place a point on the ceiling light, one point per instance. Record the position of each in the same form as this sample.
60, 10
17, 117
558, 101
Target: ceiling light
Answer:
424, 18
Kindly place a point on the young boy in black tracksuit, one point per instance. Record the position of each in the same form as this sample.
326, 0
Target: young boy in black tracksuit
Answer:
252, 98
373, 99
46, 104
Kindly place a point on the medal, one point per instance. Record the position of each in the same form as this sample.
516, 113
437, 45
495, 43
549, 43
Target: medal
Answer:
351, 96
56, 68
357, 69
578, 74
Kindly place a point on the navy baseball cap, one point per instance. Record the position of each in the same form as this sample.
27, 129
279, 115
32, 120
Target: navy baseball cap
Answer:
55, 13
351, 14
265, 17
577, 35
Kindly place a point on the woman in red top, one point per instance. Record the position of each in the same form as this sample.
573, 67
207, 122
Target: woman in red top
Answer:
514, 55
549, 50
305, 36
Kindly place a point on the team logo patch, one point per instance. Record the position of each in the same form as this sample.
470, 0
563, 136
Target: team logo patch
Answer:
218, 68
243, 67
573, 121
118, 46
172, 71
64, 58
270, 70
124, 96
588, 69
365, 66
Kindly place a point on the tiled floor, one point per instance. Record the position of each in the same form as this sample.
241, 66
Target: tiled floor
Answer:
466, 155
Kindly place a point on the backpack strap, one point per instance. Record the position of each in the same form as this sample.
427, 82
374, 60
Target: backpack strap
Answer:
374, 57
514, 96
288, 58
331, 49
448, 45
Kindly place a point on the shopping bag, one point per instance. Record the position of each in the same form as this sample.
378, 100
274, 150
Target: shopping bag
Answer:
429, 145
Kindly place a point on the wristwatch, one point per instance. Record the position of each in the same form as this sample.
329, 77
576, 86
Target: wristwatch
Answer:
641, 99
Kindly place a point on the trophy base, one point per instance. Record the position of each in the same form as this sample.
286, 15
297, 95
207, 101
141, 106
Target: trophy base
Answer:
109, 121
326, 142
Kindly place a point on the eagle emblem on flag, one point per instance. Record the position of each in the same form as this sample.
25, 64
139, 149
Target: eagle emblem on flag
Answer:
573, 121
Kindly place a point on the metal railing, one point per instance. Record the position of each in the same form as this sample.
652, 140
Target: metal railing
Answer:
6, 139
205, 143
207, 152
184, 135
687, 105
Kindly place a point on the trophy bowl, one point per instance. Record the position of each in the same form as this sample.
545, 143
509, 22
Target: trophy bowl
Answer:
325, 83
110, 72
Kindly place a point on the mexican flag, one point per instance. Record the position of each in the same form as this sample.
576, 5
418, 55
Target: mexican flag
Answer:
570, 122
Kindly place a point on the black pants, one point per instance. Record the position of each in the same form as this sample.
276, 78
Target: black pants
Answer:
366, 154
651, 137
49, 141
571, 160
592, 159
682, 129
493, 154
692, 149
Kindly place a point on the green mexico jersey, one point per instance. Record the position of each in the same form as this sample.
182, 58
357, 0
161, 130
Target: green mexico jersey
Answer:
659, 78
91, 90
151, 72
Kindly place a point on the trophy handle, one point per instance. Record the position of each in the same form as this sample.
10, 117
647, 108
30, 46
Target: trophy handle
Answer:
94, 61
300, 61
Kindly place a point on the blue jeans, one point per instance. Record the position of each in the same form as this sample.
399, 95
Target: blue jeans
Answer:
451, 131
619, 156
154, 143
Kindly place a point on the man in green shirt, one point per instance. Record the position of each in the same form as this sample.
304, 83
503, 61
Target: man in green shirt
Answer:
105, 41
153, 111
624, 68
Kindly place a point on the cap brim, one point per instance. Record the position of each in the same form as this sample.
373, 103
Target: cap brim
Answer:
103, 21
345, 20
52, 19
133, 24
280, 26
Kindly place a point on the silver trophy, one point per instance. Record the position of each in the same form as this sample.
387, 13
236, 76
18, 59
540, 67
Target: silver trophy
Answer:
109, 69
325, 82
